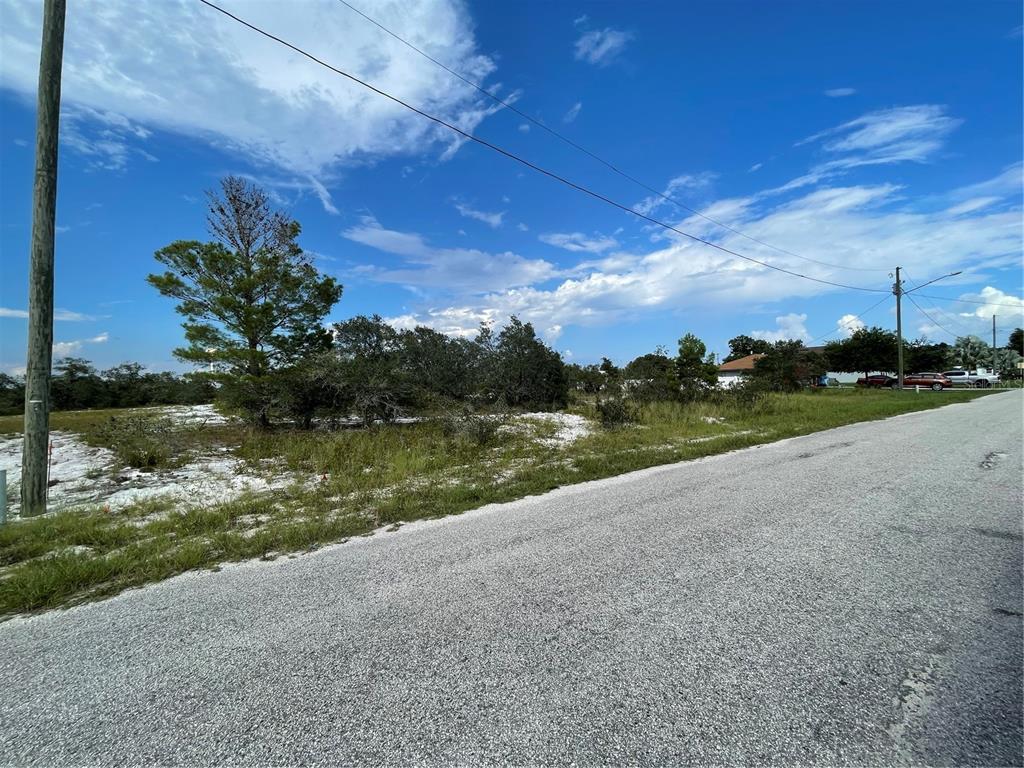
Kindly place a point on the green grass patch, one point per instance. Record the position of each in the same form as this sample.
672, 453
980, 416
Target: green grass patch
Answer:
358, 480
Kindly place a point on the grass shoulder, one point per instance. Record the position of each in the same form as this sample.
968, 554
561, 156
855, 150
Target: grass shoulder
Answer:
350, 482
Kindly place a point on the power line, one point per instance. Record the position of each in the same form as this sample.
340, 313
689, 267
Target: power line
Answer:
934, 321
949, 316
847, 323
527, 163
1018, 307
508, 105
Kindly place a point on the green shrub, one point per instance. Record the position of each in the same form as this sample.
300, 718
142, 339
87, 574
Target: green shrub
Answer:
616, 410
140, 441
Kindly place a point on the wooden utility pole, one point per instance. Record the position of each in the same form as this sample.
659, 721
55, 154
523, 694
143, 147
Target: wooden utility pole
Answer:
40, 275
898, 290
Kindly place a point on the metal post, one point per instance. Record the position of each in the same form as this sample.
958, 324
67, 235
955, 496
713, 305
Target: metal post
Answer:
898, 290
994, 352
40, 279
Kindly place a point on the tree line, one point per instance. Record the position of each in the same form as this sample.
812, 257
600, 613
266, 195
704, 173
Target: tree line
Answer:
77, 385
254, 306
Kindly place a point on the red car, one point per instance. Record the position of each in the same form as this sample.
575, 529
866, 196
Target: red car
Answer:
936, 381
876, 380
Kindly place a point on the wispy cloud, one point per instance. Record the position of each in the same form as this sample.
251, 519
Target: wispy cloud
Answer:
488, 218
686, 181
577, 242
58, 314
455, 270
755, 167
601, 46
573, 112
838, 93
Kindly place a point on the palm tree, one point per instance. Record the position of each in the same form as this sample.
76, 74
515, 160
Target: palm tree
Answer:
969, 352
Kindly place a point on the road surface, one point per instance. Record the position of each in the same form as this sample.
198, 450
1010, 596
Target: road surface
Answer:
850, 597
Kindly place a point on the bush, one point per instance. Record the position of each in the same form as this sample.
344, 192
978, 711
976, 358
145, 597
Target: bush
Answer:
477, 428
143, 442
616, 410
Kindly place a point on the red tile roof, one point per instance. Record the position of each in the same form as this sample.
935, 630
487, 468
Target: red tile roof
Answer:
743, 364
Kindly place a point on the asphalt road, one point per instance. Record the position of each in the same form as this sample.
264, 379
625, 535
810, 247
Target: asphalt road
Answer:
851, 597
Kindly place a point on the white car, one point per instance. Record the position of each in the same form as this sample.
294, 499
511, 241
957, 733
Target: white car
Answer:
979, 379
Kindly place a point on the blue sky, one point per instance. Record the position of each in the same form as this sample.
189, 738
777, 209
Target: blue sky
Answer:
863, 135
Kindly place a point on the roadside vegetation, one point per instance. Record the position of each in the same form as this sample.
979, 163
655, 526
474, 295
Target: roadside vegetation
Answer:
321, 434
355, 481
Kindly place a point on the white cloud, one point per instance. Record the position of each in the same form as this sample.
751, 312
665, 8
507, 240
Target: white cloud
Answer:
577, 242
456, 270
755, 167
573, 112
58, 314
67, 348
522, 227
946, 321
862, 226
524, 127
790, 327
836, 93
131, 68
601, 46
849, 324
490, 219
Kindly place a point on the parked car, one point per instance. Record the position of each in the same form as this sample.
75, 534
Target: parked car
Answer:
876, 380
936, 381
980, 379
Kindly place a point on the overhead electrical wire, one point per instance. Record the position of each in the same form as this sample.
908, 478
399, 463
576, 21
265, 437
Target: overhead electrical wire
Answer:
949, 315
611, 166
1018, 307
935, 322
529, 164
847, 323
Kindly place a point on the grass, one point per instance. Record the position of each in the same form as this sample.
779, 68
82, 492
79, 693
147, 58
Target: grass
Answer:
352, 482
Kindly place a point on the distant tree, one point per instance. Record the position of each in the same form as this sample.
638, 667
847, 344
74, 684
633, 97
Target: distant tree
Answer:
126, 386
787, 367
369, 367
438, 364
695, 368
970, 352
653, 377
1008, 361
867, 349
608, 368
741, 346
76, 385
1016, 341
12, 395
585, 378
252, 299
525, 371
921, 356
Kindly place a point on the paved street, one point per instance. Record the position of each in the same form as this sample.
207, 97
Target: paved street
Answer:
851, 597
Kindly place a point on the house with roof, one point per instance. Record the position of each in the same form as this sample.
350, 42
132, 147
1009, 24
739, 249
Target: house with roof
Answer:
731, 373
